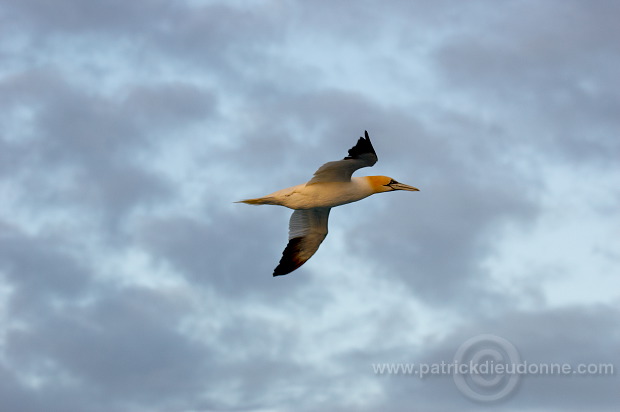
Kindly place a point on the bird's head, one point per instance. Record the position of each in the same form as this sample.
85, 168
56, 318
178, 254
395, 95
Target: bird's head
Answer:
381, 184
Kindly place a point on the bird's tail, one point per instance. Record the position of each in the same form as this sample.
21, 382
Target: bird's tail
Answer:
268, 200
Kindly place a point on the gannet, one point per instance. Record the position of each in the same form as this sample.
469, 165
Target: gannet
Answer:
331, 186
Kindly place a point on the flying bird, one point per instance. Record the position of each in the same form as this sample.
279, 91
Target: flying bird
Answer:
331, 185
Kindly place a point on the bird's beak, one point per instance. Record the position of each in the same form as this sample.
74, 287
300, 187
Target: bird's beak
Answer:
402, 186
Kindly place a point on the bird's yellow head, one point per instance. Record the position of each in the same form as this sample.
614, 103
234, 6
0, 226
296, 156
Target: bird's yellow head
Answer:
381, 184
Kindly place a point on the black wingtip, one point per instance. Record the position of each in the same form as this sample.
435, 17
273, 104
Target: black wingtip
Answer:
362, 146
290, 259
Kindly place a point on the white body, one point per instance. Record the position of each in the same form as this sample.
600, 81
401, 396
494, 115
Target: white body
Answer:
323, 194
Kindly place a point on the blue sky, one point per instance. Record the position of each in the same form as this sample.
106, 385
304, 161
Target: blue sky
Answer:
130, 281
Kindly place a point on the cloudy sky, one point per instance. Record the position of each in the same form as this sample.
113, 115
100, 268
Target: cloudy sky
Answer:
130, 281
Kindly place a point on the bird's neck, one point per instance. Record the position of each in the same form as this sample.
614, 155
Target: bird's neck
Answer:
376, 183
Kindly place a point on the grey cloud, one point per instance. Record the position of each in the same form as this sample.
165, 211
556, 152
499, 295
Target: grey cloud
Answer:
572, 335
70, 16
196, 33
14, 394
170, 104
556, 72
38, 271
237, 259
124, 347
87, 143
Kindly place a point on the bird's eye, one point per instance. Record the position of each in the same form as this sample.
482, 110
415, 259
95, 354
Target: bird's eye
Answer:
392, 181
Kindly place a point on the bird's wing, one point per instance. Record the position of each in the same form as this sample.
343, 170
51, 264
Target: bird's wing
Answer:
360, 155
307, 229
